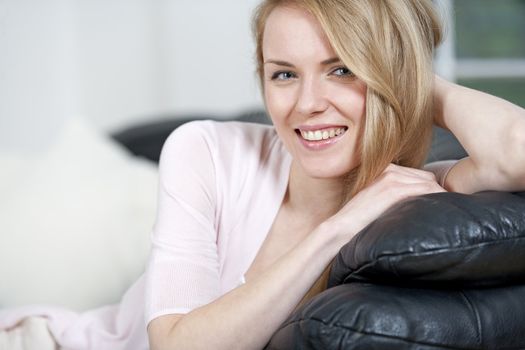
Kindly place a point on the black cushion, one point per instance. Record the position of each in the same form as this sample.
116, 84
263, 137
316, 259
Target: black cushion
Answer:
381, 317
146, 139
468, 240
444, 146
451, 241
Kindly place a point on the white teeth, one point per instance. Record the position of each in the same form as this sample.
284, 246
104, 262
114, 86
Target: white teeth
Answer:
319, 135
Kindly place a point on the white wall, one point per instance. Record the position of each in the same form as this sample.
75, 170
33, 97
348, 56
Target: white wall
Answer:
445, 60
209, 55
36, 71
119, 61
118, 56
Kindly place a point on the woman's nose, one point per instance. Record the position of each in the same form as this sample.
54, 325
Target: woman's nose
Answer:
311, 99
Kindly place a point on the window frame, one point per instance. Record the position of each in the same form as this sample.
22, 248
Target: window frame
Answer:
453, 68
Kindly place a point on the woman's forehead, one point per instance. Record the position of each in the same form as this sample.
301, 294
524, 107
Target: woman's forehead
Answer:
293, 31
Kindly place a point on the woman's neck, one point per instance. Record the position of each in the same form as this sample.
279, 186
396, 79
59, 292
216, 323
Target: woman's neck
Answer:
313, 197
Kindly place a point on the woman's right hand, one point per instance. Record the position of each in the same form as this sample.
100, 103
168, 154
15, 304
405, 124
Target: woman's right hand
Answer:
393, 185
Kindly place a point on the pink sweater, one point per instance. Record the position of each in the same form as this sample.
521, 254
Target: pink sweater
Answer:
221, 185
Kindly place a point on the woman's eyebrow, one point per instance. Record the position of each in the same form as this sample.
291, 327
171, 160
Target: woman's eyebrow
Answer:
279, 63
331, 61
288, 64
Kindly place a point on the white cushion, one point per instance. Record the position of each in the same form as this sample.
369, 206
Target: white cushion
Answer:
74, 223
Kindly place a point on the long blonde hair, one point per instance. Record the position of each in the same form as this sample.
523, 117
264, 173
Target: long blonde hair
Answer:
389, 45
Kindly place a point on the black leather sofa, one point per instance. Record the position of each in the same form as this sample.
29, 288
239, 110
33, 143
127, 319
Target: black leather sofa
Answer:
146, 139
440, 271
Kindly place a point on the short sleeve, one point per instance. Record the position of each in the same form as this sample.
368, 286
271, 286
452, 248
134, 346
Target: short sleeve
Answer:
440, 169
183, 268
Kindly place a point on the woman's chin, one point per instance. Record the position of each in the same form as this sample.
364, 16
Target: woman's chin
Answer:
327, 171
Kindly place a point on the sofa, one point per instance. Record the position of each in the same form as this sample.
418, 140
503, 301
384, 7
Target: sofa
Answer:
439, 271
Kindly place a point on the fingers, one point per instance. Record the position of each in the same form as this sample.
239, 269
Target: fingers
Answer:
395, 178
397, 183
411, 172
415, 189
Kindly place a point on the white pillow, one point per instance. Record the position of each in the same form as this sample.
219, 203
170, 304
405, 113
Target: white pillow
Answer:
74, 224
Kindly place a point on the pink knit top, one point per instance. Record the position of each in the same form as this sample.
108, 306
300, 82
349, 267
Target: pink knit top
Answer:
221, 185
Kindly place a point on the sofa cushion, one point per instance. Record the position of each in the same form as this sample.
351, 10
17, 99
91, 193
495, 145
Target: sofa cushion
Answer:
381, 317
444, 240
444, 146
440, 239
75, 221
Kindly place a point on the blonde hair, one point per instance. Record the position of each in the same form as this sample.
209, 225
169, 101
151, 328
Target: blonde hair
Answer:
389, 45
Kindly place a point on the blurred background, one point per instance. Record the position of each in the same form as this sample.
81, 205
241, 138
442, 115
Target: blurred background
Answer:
489, 40
116, 62
76, 209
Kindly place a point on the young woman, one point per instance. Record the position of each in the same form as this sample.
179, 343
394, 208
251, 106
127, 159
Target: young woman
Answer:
251, 216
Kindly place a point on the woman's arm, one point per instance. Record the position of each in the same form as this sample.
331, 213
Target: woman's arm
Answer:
491, 130
246, 317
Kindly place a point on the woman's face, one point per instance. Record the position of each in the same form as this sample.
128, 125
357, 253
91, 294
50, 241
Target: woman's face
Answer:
315, 102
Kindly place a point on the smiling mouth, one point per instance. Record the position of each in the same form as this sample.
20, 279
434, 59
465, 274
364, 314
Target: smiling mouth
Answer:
323, 134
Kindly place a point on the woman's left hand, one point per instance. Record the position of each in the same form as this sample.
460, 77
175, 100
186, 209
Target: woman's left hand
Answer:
393, 185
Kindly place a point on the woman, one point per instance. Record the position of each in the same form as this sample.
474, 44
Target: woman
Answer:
251, 216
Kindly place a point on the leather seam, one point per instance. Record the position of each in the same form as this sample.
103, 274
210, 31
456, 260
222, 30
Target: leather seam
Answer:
383, 257
479, 334
453, 249
372, 333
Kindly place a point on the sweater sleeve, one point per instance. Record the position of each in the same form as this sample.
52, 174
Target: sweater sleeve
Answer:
183, 268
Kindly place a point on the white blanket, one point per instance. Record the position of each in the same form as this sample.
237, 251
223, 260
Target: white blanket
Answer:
112, 327
30, 334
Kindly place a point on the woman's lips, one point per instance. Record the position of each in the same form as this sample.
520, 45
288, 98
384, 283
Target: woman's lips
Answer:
318, 138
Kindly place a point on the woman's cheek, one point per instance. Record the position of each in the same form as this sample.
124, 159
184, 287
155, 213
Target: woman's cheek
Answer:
351, 104
279, 102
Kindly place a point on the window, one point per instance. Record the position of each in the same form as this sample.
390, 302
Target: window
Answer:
485, 46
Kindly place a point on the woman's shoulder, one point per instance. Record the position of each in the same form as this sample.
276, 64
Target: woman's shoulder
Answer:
238, 129
229, 158
235, 154
225, 137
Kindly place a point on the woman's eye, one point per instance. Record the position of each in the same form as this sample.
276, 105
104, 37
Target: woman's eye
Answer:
342, 72
283, 75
